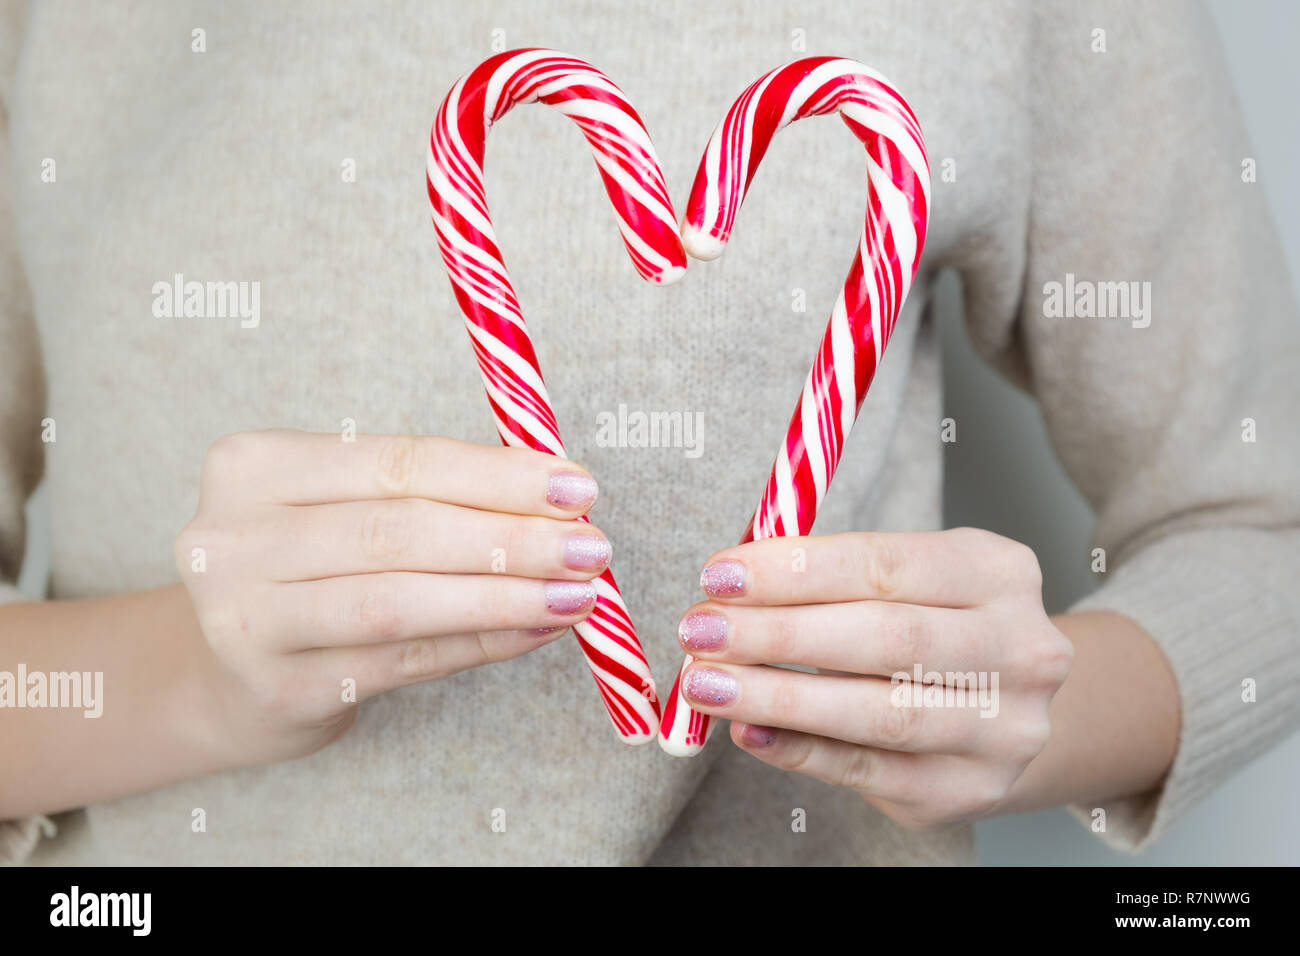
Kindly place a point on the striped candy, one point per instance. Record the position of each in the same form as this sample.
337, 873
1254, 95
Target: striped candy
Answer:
506, 357
864, 315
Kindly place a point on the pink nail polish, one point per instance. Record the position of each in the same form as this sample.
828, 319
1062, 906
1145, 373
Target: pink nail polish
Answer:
571, 490
569, 597
586, 552
702, 632
543, 631
710, 688
723, 578
755, 736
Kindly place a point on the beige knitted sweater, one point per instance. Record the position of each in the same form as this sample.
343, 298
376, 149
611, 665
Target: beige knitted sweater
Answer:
1052, 158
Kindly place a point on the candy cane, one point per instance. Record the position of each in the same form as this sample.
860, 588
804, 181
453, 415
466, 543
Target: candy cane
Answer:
506, 357
867, 309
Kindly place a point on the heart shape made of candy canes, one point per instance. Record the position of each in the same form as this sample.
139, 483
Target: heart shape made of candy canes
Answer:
859, 328
893, 235
506, 357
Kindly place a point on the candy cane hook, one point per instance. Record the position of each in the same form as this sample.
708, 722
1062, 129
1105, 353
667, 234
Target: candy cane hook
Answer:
506, 356
867, 310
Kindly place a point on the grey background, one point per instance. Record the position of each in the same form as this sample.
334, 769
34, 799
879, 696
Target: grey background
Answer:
1002, 475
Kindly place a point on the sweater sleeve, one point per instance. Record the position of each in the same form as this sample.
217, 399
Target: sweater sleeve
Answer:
1175, 414
22, 404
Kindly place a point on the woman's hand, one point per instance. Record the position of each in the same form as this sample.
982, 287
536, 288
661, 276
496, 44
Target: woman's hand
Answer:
323, 572
963, 605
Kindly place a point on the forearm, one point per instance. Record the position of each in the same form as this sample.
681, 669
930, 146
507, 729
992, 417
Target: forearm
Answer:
1115, 721
154, 726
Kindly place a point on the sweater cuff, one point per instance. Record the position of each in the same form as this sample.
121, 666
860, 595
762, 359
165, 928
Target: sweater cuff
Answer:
19, 837
1221, 604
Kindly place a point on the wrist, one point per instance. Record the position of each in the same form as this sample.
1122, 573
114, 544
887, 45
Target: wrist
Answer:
1114, 722
200, 696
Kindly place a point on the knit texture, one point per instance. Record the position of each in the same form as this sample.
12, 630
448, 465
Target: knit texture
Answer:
1049, 157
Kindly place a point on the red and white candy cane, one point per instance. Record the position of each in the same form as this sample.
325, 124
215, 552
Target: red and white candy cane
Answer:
506, 357
864, 315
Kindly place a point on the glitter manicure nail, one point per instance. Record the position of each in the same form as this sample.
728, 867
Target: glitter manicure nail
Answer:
756, 736
571, 490
569, 597
723, 578
710, 688
586, 552
702, 632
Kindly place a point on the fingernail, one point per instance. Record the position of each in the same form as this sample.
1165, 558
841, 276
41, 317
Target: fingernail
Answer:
702, 632
586, 552
756, 736
723, 578
709, 687
569, 597
543, 631
572, 490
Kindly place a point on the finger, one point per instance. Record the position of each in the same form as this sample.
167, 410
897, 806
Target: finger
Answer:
916, 790
415, 534
402, 605
307, 468
964, 567
884, 774
859, 710
384, 667
876, 638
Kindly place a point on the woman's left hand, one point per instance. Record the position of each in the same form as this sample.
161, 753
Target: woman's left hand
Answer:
871, 612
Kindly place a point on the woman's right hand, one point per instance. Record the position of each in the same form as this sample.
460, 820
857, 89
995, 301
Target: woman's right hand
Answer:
325, 571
